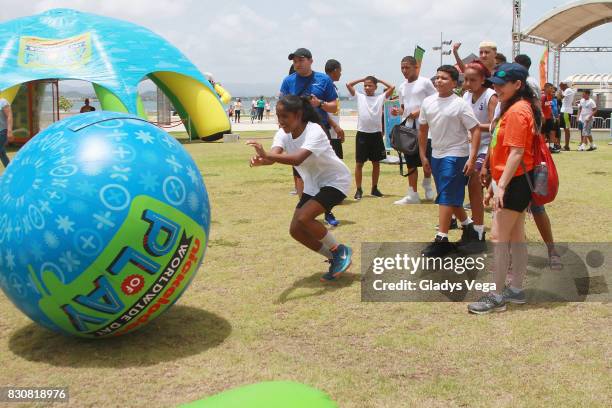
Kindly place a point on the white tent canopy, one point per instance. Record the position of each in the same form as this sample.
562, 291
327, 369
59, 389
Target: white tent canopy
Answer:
564, 24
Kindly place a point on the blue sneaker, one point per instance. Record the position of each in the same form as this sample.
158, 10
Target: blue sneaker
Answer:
341, 260
329, 276
331, 220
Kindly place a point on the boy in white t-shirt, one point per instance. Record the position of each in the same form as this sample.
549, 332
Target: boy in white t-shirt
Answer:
448, 119
333, 69
567, 108
369, 143
586, 112
411, 93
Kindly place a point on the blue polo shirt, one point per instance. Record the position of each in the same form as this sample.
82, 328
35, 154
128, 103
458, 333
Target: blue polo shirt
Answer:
317, 84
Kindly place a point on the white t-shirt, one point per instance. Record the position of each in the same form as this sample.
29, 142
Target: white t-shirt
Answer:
369, 111
587, 106
449, 121
336, 119
412, 94
322, 168
568, 101
481, 111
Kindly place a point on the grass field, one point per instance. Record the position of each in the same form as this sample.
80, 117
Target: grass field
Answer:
257, 311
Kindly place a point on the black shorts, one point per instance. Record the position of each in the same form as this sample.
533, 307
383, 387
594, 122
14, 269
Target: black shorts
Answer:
548, 126
564, 121
518, 194
415, 161
369, 146
328, 197
336, 144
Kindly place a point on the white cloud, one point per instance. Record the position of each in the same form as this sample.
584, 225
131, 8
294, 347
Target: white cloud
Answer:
248, 42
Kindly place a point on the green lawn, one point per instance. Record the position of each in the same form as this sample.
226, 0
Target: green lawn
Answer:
257, 311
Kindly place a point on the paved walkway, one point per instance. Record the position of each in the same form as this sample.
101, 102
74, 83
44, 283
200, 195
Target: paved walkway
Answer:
245, 125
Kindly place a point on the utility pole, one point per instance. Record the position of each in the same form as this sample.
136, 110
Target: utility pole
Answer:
441, 47
516, 28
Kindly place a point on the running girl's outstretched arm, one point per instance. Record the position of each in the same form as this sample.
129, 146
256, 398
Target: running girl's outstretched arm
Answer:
276, 155
261, 161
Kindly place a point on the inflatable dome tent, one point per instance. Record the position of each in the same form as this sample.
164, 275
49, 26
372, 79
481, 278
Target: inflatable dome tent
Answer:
113, 55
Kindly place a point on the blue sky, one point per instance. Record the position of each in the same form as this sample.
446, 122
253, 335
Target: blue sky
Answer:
248, 41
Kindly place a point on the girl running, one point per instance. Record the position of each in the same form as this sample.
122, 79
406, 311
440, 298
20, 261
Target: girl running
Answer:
511, 162
483, 101
302, 143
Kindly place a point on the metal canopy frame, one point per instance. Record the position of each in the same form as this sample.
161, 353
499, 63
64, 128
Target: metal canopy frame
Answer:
561, 40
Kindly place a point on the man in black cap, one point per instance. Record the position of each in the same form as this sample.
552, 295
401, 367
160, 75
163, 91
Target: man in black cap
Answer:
316, 85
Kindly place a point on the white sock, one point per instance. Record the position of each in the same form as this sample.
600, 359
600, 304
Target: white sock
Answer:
411, 192
480, 230
467, 221
427, 182
442, 234
329, 241
325, 252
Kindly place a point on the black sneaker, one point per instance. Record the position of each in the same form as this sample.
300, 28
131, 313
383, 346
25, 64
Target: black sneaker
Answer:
438, 248
331, 220
358, 194
566, 148
376, 192
453, 225
470, 243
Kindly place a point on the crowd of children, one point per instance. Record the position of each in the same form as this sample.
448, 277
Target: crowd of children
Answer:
482, 140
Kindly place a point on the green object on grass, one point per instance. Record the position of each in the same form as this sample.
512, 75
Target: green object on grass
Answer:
272, 394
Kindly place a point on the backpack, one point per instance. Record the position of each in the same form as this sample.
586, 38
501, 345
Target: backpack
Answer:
545, 183
405, 140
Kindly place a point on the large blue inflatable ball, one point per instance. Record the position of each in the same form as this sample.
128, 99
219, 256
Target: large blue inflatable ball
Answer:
104, 220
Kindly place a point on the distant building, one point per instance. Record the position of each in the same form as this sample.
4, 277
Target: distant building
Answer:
601, 90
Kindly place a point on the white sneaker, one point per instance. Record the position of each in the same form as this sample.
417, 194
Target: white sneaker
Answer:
429, 192
581, 148
412, 198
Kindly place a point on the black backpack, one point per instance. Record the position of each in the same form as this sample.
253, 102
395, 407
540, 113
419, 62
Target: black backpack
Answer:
405, 140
